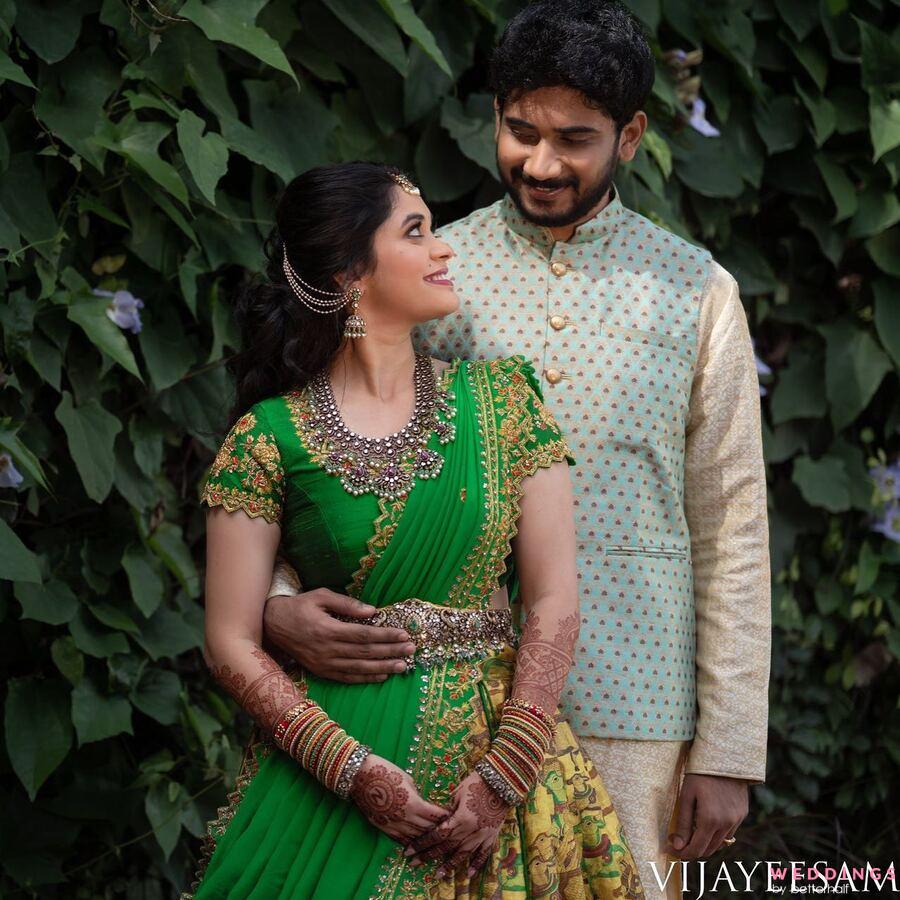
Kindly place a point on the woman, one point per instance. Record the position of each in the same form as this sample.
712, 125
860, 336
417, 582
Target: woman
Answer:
455, 779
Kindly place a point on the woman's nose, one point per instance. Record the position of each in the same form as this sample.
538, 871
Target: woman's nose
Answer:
442, 250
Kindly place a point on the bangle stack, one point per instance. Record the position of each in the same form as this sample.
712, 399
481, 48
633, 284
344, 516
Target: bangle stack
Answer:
320, 745
512, 765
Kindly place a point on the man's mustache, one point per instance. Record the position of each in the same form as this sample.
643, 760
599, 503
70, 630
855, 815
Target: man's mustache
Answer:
552, 184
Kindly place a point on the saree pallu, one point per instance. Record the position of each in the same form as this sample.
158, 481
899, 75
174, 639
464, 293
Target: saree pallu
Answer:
282, 835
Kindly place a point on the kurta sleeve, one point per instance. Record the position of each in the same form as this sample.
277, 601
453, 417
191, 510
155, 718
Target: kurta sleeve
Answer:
531, 434
726, 511
285, 579
247, 472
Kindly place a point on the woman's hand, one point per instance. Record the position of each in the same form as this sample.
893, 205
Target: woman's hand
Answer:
387, 797
470, 833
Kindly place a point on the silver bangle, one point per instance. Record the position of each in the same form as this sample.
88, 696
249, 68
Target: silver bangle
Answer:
351, 770
497, 783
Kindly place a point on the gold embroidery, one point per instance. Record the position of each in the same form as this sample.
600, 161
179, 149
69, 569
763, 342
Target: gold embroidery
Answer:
254, 461
472, 586
508, 412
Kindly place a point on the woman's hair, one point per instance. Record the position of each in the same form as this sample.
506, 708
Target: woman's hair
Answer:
594, 46
326, 220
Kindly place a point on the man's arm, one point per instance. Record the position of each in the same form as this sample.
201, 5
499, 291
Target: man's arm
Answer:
303, 626
725, 506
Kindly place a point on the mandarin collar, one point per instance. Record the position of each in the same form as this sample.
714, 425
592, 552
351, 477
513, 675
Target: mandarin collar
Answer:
600, 227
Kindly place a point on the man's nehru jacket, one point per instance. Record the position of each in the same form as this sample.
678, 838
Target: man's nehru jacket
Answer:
645, 359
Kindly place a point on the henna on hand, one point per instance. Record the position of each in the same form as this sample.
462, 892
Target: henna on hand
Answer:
542, 666
379, 794
489, 809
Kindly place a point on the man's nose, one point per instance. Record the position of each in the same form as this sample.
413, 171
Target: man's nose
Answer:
542, 163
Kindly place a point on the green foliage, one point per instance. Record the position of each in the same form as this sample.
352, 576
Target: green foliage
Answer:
140, 151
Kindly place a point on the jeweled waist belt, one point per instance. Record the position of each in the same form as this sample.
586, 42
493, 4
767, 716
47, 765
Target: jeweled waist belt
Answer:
442, 633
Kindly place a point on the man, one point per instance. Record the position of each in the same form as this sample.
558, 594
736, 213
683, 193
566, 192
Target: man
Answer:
647, 364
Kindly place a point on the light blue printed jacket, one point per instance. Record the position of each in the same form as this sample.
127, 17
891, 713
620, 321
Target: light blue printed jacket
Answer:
645, 359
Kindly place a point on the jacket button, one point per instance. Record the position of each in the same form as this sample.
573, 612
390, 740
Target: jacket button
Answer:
554, 376
557, 322
558, 268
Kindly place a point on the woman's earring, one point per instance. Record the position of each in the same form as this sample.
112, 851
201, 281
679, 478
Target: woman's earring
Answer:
355, 326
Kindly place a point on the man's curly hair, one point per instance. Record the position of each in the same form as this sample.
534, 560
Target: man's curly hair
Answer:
594, 46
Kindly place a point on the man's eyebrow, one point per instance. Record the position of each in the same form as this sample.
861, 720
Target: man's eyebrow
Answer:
566, 129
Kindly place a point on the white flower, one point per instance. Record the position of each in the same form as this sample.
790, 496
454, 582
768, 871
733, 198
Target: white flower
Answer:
698, 121
10, 476
888, 480
124, 309
889, 524
761, 369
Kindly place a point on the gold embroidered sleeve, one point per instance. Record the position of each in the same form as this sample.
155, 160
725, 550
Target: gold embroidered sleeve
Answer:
247, 473
528, 429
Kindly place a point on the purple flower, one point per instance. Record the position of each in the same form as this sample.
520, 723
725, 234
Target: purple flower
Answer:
698, 121
10, 476
124, 309
761, 369
888, 480
889, 524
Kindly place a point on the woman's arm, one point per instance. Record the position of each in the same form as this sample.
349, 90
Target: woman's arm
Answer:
544, 551
240, 553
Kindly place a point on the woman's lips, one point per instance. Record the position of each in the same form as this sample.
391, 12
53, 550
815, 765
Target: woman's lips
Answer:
439, 278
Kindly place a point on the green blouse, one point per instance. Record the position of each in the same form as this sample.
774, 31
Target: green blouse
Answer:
269, 466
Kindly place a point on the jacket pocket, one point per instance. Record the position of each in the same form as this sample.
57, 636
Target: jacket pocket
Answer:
664, 551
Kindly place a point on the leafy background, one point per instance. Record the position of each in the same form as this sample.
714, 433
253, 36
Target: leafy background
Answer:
141, 148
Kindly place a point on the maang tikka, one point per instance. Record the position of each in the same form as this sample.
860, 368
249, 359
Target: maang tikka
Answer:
332, 301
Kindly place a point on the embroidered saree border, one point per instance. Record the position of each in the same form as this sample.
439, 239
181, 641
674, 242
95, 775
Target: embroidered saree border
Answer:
257, 749
507, 426
476, 582
444, 739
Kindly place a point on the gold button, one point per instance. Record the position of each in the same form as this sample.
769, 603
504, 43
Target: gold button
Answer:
558, 268
554, 376
558, 322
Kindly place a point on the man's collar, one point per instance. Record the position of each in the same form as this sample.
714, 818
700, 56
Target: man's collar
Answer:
598, 228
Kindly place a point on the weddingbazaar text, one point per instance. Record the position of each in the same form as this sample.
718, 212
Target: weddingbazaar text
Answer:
793, 877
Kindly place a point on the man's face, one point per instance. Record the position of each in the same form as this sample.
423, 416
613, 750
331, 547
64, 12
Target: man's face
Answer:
556, 155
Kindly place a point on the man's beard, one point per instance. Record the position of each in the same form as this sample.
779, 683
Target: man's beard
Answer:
578, 210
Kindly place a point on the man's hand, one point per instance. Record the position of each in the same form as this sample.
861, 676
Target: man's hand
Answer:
711, 807
303, 625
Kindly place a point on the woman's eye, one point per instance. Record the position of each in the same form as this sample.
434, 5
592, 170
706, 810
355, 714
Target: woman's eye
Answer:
412, 231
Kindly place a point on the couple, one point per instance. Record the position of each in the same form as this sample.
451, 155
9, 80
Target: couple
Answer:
418, 750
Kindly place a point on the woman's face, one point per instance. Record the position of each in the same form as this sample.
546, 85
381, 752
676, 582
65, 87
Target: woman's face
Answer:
411, 282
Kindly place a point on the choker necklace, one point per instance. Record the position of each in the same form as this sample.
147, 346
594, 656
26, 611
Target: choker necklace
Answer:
387, 466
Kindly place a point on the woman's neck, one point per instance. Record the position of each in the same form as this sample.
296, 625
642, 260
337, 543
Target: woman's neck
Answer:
375, 367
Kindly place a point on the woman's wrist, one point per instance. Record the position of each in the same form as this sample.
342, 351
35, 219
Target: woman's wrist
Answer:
512, 765
320, 746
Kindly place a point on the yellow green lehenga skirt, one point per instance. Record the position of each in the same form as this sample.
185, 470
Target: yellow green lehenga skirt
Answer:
282, 836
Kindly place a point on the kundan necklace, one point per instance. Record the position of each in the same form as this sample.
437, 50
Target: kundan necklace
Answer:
387, 466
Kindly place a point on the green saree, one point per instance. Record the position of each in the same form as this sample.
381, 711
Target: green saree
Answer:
281, 834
